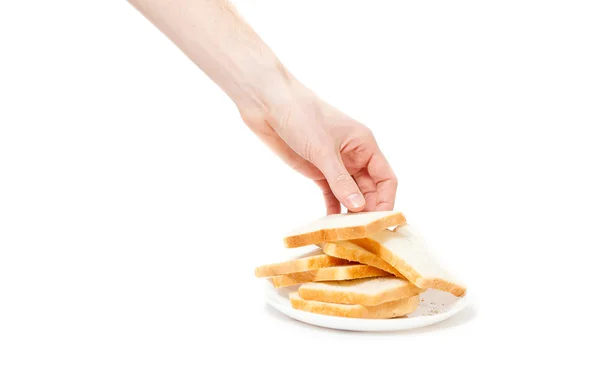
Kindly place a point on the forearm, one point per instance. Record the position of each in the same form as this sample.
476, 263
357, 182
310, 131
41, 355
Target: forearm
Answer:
224, 46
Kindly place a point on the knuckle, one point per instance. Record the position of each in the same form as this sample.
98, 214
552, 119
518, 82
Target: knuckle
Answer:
365, 134
368, 133
344, 179
393, 184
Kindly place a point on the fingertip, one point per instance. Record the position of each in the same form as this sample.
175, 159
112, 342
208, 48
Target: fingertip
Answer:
355, 202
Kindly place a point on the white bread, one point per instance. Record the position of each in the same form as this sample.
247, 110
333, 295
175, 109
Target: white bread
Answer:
367, 291
393, 309
312, 260
344, 272
352, 252
343, 227
407, 252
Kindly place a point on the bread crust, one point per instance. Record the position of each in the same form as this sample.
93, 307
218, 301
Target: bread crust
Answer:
344, 233
299, 265
393, 309
345, 272
407, 271
344, 250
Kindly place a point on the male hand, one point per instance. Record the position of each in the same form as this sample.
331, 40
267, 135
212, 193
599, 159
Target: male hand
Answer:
338, 153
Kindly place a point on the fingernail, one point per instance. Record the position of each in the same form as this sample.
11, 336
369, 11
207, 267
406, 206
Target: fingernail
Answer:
355, 200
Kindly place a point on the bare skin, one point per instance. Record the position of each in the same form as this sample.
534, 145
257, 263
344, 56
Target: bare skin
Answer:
335, 151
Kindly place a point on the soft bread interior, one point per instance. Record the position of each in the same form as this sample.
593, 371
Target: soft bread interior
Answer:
336, 221
369, 291
406, 251
364, 286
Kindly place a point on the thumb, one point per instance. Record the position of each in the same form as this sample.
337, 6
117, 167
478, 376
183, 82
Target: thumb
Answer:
341, 182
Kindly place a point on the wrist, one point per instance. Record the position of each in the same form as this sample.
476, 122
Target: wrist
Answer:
266, 90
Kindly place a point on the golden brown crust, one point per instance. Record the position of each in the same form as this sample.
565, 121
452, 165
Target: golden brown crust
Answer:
443, 285
386, 310
343, 250
346, 233
346, 272
407, 271
352, 298
299, 265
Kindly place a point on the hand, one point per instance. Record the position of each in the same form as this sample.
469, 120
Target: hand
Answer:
338, 153
335, 151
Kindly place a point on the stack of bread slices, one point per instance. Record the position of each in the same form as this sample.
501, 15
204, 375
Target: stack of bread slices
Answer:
364, 265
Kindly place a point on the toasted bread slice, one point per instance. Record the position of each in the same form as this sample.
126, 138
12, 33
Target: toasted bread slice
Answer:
406, 251
393, 309
343, 227
352, 252
344, 272
315, 259
366, 291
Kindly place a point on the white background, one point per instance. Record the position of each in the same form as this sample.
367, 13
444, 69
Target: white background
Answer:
135, 204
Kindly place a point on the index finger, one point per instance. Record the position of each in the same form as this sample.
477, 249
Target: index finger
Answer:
385, 180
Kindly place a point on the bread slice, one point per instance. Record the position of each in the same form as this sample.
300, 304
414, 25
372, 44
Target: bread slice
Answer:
344, 272
393, 309
343, 227
352, 252
367, 291
315, 259
407, 252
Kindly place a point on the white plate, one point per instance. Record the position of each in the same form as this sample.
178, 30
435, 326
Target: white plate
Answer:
435, 306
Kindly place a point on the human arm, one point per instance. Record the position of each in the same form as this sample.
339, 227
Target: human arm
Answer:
311, 136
